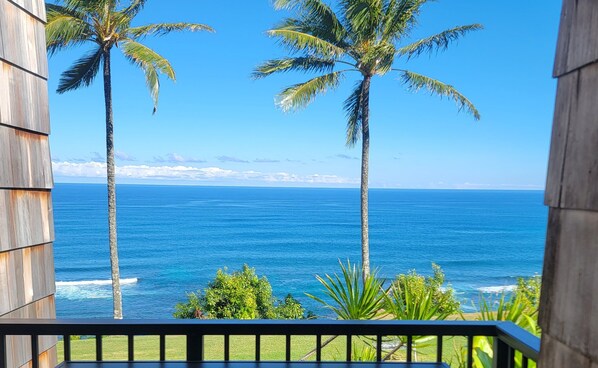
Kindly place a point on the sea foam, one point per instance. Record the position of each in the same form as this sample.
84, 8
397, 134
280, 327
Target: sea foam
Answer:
133, 280
88, 289
497, 289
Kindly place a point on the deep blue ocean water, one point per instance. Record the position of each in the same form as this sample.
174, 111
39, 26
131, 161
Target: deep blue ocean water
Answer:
172, 239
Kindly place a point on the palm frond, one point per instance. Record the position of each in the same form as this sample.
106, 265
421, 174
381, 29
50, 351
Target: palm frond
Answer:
352, 108
81, 73
302, 94
399, 18
415, 82
90, 6
151, 63
160, 29
438, 42
318, 16
379, 57
65, 28
64, 10
297, 39
305, 64
362, 18
134, 8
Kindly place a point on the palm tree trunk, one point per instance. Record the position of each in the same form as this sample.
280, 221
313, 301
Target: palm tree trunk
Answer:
116, 292
365, 159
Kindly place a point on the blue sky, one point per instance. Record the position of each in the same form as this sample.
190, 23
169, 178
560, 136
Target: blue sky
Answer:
217, 126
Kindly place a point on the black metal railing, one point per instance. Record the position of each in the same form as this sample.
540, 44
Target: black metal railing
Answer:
509, 340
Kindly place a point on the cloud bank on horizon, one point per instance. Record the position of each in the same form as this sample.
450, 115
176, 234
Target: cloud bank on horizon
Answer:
93, 171
182, 173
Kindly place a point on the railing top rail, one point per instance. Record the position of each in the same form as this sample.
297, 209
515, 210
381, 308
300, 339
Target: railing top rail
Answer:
245, 327
519, 339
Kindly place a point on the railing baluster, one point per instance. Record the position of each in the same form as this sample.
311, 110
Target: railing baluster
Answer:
34, 351
511, 358
379, 348
67, 347
349, 347
524, 361
194, 348
439, 348
288, 348
258, 347
162, 348
469, 351
318, 348
131, 347
3, 348
226, 348
503, 354
409, 348
99, 352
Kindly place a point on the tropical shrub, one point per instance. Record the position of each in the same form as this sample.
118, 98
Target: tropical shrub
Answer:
529, 290
238, 295
417, 297
289, 308
520, 307
190, 309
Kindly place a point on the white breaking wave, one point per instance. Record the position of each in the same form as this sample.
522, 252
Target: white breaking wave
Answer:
133, 280
88, 289
497, 289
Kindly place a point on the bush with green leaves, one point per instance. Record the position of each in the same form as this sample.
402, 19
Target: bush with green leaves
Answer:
416, 297
289, 308
409, 297
238, 295
520, 307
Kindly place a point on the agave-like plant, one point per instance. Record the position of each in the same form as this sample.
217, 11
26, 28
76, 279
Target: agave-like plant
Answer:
353, 297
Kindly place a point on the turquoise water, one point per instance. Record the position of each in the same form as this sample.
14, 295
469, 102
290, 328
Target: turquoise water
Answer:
172, 239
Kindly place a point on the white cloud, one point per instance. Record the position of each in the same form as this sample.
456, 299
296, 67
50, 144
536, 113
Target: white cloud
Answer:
188, 173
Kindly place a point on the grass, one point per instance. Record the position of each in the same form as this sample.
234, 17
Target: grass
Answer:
241, 348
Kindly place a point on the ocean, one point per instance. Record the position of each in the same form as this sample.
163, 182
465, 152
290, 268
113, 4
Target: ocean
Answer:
173, 239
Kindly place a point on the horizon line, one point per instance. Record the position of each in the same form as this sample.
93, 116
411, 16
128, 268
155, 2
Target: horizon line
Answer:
179, 184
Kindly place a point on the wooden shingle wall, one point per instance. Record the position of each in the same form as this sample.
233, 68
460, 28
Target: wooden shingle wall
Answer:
27, 284
569, 306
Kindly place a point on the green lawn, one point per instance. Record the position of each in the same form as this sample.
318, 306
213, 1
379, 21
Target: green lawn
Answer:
241, 348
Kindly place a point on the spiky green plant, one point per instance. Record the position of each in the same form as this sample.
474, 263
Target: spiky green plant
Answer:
415, 297
352, 296
104, 25
362, 36
521, 308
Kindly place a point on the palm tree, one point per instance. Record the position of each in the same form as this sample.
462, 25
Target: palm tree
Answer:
105, 24
364, 36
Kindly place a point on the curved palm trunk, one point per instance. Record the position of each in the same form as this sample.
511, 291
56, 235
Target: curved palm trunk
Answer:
116, 293
365, 159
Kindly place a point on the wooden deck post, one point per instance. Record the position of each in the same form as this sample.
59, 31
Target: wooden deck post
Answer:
569, 306
26, 224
